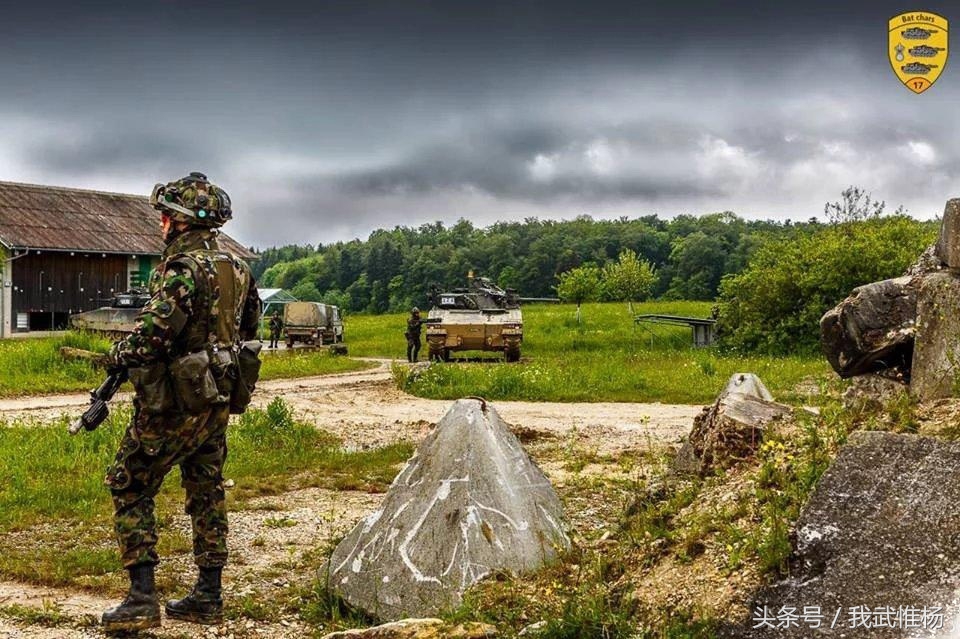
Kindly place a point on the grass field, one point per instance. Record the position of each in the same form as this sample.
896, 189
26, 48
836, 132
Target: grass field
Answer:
73, 513
605, 358
34, 366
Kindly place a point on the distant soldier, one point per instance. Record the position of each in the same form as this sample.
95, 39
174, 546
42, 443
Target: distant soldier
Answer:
183, 361
413, 335
276, 328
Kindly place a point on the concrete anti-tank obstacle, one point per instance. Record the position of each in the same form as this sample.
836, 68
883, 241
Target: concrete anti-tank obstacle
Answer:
732, 428
469, 503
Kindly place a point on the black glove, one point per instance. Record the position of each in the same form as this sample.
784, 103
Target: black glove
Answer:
120, 370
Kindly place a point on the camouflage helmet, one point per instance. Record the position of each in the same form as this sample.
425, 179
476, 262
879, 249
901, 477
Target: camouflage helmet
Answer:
194, 200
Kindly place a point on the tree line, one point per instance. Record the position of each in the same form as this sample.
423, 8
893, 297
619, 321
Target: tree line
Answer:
685, 257
772, 280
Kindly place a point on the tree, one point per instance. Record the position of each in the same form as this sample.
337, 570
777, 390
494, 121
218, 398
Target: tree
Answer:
306, 291
581, 284
775, 305
855, 205
629, 278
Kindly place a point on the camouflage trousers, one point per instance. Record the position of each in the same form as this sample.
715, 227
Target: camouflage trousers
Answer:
413, 347
150, 448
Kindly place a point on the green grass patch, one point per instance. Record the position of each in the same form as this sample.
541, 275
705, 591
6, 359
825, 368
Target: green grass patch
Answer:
33, 366
49, 615
270, 452
606, 357
284, 364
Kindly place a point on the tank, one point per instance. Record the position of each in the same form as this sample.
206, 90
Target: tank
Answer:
116, 320
480, 317
916, 33
924, 51
918, 68
312, 323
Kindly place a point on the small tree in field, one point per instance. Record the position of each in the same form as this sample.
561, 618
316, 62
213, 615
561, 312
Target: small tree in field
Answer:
628, 279
581, 284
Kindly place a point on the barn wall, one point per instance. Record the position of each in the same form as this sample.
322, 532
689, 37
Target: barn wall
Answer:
6, 295
64, 283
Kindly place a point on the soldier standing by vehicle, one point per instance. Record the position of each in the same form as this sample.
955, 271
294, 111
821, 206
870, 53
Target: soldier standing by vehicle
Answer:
276, 328
412, 334
187, 366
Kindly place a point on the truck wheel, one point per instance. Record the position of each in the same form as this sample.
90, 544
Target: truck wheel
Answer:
512, 355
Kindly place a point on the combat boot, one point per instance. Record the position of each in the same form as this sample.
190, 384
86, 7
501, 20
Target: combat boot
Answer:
140, 609
204, 604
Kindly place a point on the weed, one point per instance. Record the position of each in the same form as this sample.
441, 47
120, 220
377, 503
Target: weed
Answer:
48, 615
251, 607
279, 522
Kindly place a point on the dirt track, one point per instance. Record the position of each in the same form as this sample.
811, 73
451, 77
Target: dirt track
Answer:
365, 409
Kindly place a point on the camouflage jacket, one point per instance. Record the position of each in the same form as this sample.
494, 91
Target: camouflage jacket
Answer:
179, 299
413, 328
276, 325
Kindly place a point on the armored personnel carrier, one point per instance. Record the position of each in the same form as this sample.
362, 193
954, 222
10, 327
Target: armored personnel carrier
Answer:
480, 317
115, 321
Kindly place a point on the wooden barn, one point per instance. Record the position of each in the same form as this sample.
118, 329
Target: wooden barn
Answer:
64, 251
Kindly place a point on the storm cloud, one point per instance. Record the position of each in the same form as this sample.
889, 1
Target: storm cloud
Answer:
327, 120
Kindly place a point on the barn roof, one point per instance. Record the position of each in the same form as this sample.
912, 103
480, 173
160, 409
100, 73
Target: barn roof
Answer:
64, 219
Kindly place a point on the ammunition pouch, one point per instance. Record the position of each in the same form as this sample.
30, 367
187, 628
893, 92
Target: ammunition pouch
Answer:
152, 386
248, 372
194, 383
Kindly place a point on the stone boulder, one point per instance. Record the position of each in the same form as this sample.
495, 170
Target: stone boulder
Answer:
880, 529
872, 329
469, 503
873, 393
732, 428
948, 245
935, 371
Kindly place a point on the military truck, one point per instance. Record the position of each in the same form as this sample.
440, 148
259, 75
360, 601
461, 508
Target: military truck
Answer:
115, 321
480, 317
312, 323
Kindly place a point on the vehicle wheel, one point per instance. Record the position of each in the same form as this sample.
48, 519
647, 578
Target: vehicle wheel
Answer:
512, 355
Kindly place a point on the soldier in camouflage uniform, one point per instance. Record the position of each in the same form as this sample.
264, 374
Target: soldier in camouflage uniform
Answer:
276, 328
412, 334
203, 300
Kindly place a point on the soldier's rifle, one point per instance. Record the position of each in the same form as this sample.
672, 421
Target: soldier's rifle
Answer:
98, 410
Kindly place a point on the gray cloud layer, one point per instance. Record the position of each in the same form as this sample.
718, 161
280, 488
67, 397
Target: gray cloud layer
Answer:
327, 121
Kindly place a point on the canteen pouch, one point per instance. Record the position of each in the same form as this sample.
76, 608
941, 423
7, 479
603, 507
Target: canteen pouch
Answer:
193, 382
152, 386
248, 368
224, 368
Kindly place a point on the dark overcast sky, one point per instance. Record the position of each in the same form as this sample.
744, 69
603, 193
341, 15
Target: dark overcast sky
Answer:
326, 120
